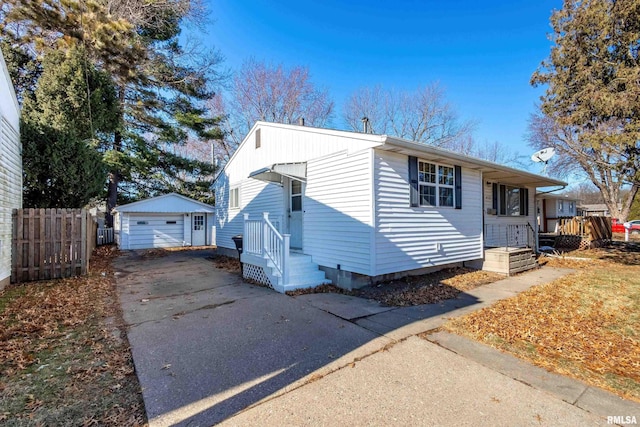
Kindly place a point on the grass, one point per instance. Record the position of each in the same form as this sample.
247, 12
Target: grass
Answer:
585, 325
64, 359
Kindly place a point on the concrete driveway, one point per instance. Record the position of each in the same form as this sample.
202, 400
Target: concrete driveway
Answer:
206, 345
209, 348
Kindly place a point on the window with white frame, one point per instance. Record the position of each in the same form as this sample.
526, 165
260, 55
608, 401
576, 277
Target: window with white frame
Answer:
234, 198
560, 206
436, 184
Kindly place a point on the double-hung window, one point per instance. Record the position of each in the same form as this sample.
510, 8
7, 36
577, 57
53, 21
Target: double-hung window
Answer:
436, 184
234, 198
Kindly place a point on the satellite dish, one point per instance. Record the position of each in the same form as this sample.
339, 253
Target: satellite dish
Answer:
543, 155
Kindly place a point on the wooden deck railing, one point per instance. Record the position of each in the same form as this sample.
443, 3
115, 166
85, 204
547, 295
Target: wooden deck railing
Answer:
589, 227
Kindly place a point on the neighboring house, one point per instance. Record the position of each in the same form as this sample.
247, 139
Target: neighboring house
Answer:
364, 208
550, 207
598, 209
10, 168
167, 221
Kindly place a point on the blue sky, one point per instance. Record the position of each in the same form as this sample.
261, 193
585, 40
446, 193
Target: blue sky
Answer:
482, 53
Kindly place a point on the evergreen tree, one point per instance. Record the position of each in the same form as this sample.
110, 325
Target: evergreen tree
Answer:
24, 70
160, 87
60, 170
591, 109
70, 115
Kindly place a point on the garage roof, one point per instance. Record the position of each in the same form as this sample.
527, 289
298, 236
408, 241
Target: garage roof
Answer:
168, 203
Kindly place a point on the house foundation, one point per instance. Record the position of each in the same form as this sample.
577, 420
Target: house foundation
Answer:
349, 280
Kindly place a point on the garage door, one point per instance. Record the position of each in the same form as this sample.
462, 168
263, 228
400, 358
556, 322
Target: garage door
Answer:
151, 231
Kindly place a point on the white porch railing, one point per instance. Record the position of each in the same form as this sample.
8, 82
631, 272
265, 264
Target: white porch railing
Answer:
261, 238
509, 236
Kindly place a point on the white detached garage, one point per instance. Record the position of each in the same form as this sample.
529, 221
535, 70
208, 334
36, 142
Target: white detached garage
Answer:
167, 221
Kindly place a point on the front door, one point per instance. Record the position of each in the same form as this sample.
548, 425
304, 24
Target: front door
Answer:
296, 190
198, 230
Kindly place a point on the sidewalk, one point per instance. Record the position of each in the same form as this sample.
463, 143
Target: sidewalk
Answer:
441, 380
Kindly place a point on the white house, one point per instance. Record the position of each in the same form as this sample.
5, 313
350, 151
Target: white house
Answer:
10, 168
167, 221
551, 207
363, 208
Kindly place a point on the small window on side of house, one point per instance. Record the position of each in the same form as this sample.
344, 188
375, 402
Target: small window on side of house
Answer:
171, 222
258, 139
142, 222
234, 198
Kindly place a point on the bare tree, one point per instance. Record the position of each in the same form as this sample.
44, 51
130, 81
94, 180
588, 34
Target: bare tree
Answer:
272, 93
423, 115
586, 193
609, 167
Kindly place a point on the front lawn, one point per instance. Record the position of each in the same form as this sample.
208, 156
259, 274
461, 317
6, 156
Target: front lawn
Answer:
585, 325
64, 358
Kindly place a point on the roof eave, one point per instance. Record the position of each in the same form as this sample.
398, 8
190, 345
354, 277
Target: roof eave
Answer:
490, 170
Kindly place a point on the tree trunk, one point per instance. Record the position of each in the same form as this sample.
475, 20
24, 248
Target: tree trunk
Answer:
112, 197
114, 175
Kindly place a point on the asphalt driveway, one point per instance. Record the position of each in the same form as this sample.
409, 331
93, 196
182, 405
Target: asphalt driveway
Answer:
206, 345
209, 348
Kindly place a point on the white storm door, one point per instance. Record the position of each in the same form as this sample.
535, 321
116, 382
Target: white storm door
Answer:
296, 190
198, 230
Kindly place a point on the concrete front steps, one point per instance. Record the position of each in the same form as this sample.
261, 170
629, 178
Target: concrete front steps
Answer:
506, 261
303, 272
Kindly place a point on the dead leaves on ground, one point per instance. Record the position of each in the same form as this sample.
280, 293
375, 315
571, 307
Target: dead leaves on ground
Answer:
427, 288
58, 343
584, 325
415, 290
226, 263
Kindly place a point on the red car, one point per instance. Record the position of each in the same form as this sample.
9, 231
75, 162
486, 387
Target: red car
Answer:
618, 227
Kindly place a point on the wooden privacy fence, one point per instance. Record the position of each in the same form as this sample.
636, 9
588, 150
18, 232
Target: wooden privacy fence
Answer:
592, 228
51, 243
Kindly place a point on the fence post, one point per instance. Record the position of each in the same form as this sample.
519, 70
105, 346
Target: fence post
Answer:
14, 245
84, 243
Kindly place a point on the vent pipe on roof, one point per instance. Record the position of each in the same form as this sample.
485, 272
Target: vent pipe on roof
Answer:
365, 124
301, 121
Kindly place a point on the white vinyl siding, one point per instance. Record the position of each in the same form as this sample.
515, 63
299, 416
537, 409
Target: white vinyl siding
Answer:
10, 189
278, 144
338, 211
500, 220
409, 238
290, 144
155, 231
161, 222
255, 198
